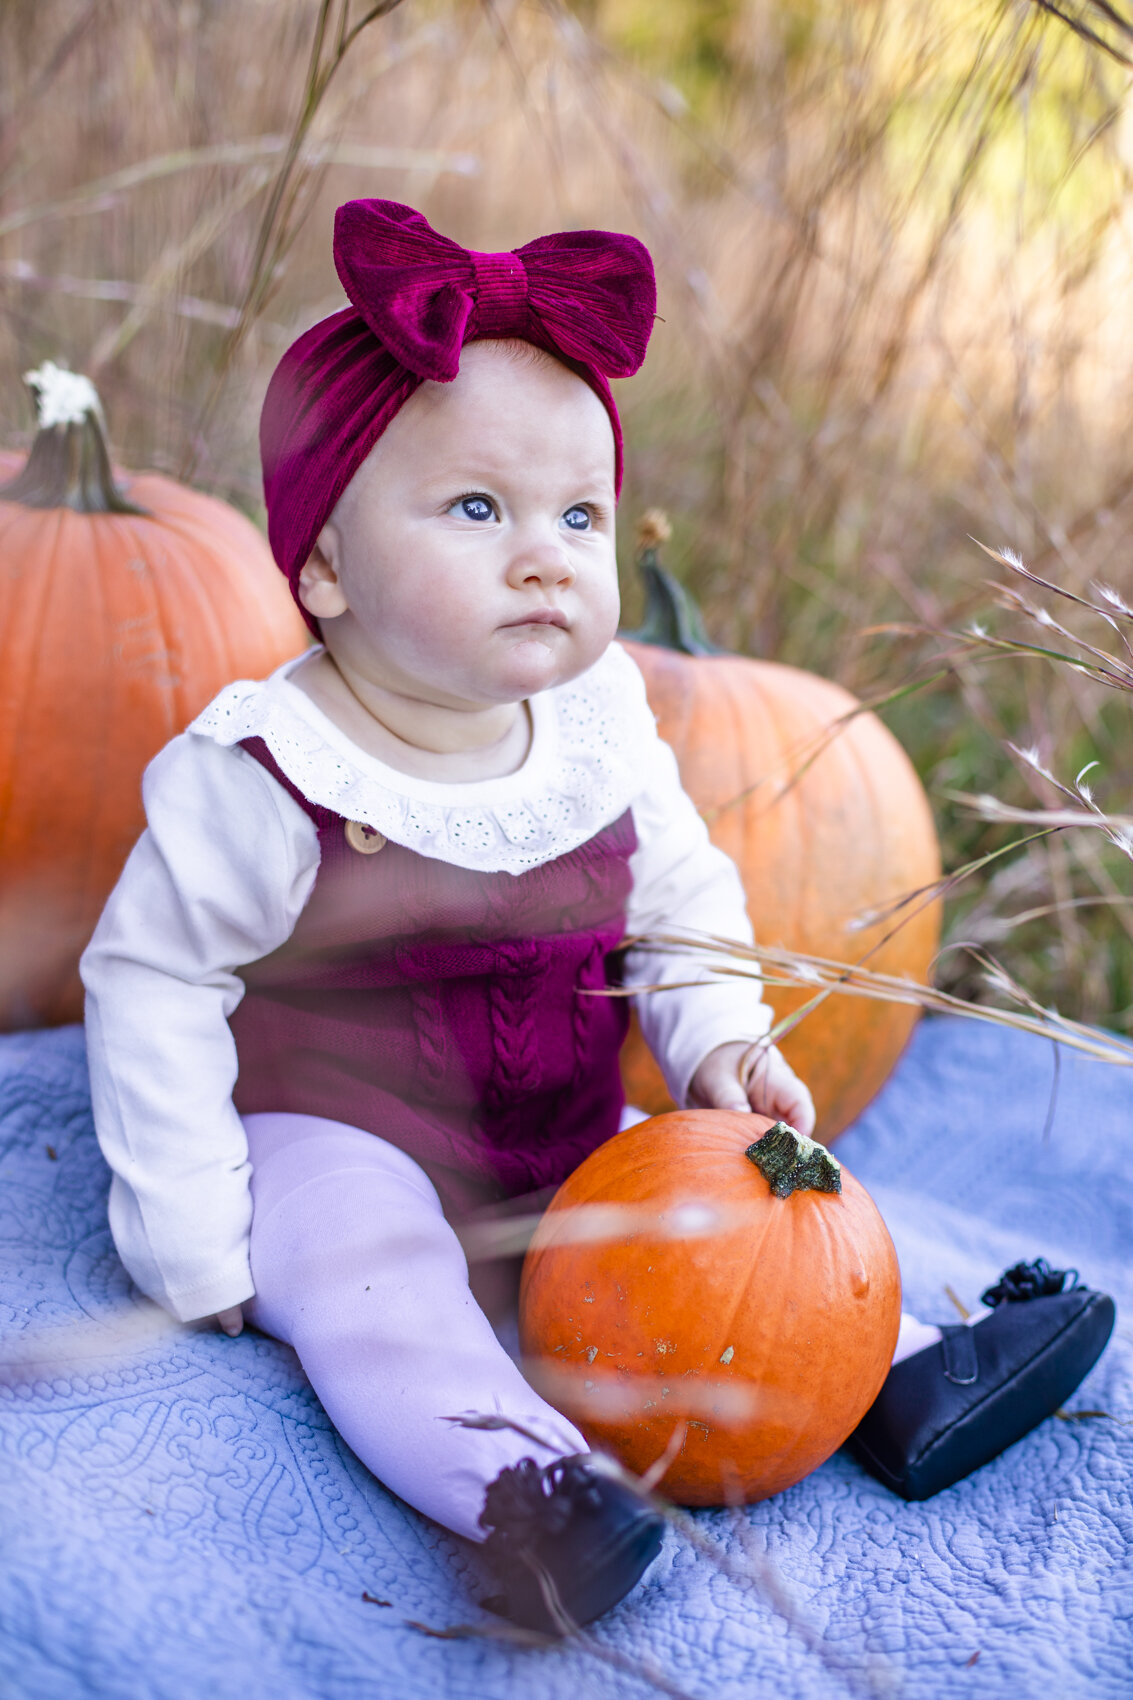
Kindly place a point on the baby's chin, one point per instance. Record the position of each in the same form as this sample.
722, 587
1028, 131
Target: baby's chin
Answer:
540, 662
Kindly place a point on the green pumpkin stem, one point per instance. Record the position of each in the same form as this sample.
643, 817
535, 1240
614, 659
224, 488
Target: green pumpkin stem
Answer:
69, 464
789, 1162
672, 619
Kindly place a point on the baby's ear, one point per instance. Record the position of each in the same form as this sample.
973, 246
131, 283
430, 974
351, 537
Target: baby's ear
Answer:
319, 589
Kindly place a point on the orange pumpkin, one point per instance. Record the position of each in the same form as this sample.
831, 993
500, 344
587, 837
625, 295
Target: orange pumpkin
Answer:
124, 613
698, 1286
820, 839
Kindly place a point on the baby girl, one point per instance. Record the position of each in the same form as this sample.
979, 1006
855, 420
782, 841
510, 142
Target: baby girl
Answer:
343, 994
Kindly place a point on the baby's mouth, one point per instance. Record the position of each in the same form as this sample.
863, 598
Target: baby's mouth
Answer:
541, 617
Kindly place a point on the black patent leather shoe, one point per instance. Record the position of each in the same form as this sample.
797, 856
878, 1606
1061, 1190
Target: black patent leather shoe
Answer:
959, 1403
567, 1542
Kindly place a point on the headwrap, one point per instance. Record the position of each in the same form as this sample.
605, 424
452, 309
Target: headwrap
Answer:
586, 296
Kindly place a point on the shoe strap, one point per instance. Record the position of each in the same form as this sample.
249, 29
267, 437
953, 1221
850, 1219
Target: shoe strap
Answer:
961, 1364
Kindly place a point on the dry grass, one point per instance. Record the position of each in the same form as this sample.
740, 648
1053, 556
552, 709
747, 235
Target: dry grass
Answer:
894, 252
893, 243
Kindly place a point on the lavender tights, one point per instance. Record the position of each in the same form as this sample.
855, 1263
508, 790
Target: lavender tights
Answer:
356, 1267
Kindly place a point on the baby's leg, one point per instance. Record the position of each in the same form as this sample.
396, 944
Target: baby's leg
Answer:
356, 1267
914, 1336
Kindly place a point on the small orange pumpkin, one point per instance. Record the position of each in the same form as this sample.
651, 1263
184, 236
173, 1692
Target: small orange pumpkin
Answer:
123, 615
715, 1286
825, 822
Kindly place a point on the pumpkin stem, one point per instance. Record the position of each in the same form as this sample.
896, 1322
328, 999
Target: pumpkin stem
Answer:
789, 1162
69, 466
672, 619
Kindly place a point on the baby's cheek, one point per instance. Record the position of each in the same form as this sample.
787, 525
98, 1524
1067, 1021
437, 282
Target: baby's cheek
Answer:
604, 606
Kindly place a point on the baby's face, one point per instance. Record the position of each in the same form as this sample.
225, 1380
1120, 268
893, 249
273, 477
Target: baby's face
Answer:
473, 551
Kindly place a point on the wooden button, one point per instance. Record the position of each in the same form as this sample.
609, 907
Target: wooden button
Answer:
367, 840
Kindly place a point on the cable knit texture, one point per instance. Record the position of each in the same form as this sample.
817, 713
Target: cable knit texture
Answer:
442, 1008
592, 739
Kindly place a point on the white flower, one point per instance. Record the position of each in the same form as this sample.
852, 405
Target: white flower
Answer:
62, 397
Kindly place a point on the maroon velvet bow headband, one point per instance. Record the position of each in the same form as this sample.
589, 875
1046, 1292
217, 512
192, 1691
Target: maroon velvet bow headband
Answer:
586, 296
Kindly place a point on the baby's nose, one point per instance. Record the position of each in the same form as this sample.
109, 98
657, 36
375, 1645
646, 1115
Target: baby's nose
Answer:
543, 563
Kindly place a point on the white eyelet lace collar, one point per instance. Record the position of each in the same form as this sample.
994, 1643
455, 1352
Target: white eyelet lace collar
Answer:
587, 762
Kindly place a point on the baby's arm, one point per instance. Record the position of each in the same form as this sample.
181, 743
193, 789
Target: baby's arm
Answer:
217, 879
709, 1038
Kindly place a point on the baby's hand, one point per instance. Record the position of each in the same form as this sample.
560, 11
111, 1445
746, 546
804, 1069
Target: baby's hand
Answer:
767, 1084
231, 1322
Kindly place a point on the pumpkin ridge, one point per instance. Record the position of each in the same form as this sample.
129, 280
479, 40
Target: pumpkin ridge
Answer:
798, 797
99, 785
194, 529
578, 1199
16, 644
740, 780
769, 1226
85, 656
825, 1257
743, 791
48, 592
162, 589
212, 631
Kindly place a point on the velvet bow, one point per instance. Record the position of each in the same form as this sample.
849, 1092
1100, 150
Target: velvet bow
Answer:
587, 294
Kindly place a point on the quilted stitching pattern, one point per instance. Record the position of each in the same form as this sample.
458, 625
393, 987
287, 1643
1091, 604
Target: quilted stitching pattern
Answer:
179, 1518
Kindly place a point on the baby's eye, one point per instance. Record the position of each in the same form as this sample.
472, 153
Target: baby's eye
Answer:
578, 519
475, 507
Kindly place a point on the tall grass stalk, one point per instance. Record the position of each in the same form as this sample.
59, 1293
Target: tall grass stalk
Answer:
892, 244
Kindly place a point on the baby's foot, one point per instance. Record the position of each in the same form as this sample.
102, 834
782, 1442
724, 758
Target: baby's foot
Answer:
567, 1541
957, 1404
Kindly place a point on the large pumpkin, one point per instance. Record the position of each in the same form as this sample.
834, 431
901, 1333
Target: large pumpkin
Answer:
712, 1286
124, 612
827, 822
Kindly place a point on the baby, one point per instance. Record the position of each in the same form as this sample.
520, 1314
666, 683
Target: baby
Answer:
342, 994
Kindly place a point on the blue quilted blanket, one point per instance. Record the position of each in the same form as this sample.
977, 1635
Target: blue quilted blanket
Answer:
179, 1519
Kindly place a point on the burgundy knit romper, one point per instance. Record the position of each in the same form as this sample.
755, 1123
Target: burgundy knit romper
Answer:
446, 1009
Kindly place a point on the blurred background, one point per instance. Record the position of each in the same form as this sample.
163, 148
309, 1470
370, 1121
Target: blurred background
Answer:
895, 249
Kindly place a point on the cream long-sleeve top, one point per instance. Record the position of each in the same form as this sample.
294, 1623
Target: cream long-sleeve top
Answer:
225, 866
